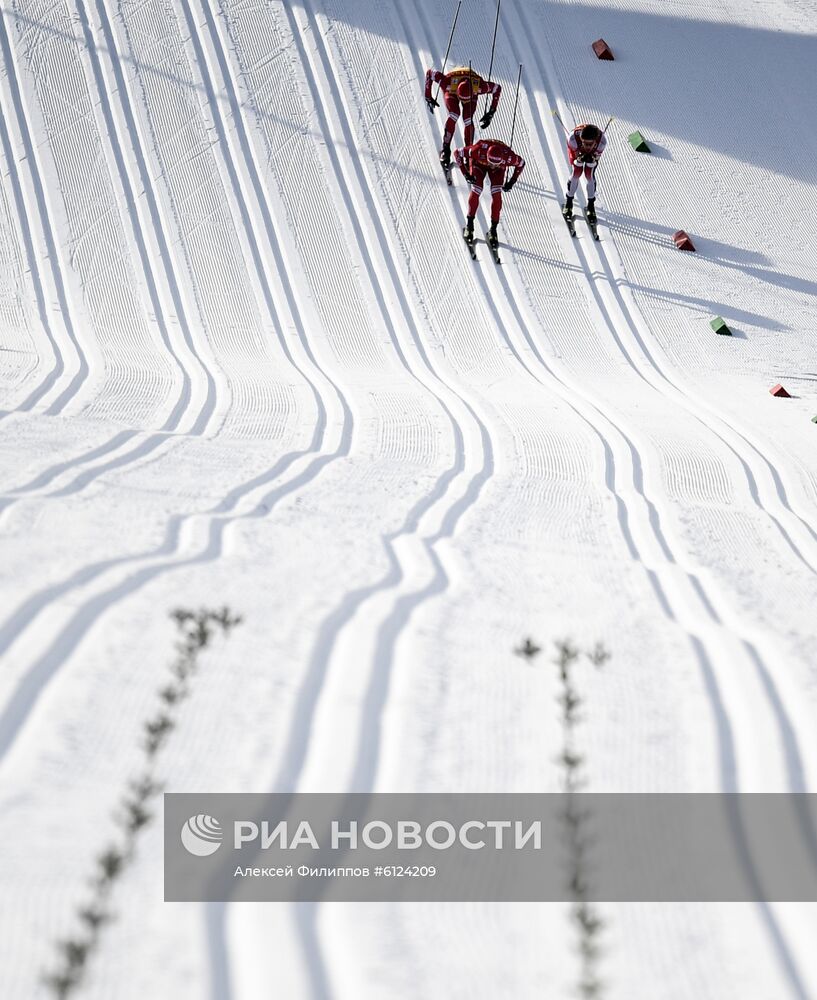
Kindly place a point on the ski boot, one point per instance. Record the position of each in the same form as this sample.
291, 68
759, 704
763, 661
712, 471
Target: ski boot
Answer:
567, 210
591, 209
445, 158
491, 237
468, 229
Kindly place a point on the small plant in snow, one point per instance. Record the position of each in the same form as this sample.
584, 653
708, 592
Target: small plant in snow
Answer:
196, 628
584, 915
528, 649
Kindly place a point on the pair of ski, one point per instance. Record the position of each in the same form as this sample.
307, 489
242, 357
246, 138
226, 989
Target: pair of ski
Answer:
470, 242
571, 224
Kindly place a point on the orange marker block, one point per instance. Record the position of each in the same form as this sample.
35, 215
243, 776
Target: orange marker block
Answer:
682, 241
602, 49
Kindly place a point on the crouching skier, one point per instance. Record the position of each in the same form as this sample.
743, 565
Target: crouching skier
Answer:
490, 158
585, 145
461, 87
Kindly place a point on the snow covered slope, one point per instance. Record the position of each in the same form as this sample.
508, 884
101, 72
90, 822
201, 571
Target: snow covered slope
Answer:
245, 359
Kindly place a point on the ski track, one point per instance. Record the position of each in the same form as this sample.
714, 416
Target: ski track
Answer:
686, 607
633, 338
71, 362
89, 612
204, 407
155, 121
751, 699
787, 736
306, 733
402, 323
208, 404
636, 462
32, 685
26, 261
172, 550
141, 238
628, 320
368, 737
97, 257
630, 459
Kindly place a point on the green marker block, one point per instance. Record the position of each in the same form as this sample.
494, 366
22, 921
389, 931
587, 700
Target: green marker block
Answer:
718, 324
638, 142
814, 420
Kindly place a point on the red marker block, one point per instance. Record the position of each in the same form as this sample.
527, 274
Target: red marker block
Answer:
602, 49
778, 390
682, 241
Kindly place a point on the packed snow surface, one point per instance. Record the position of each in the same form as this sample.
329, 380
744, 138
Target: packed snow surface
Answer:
245, 360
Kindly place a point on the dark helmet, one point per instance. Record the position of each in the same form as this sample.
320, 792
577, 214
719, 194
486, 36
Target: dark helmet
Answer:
465, 90
495, 154
590, 133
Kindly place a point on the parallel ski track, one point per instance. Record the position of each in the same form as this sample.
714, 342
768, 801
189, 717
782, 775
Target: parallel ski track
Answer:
787, 733
17, 710
46, 666
710, 601
520, 343
632, 338
404, 545
514, 322
609, 320
197, 411
25, 354
56, 364
365, 767
143, 137
140, 234
382, 266
71, 359
138, 380
708, 606
154, 230
282, 302
704, 605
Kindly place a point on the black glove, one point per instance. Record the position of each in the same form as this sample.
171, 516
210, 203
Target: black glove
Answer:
469, 177
431, 104
508, 185
486, 119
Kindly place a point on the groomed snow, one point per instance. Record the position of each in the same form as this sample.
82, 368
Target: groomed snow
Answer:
246, 360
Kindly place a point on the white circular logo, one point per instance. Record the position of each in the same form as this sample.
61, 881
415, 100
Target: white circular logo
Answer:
201, 835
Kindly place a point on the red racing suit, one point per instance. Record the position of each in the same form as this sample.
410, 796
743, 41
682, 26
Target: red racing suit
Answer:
583, 160
448, 85
473, 162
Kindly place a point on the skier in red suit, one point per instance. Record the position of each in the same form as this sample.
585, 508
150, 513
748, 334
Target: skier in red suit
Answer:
460, 88
585, 145
490, 158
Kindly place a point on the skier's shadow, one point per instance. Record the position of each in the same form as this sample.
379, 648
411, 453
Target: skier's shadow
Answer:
559, 265
711, 252
787, 377
661, 236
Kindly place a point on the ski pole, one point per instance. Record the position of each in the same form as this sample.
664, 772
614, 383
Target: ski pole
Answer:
555, 114
474, 97
609, 123
493, 46
515, 103
450, 40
